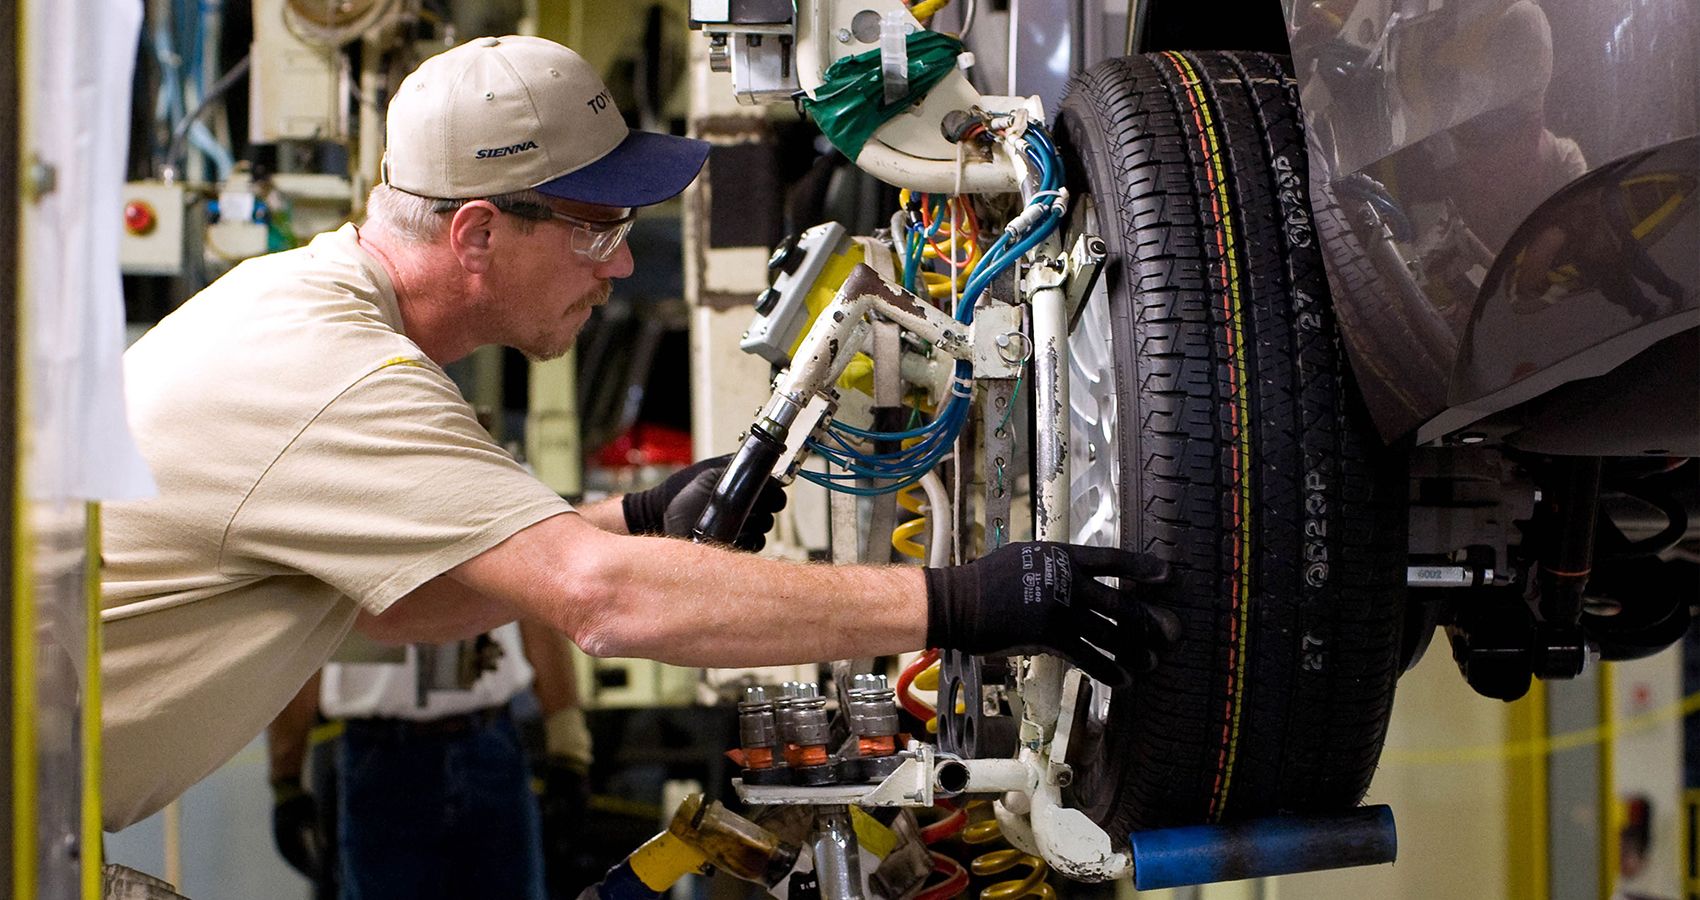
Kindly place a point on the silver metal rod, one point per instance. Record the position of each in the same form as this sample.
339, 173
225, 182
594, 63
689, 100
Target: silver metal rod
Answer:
837, 858
1446, 576
1042, 683
1050, 390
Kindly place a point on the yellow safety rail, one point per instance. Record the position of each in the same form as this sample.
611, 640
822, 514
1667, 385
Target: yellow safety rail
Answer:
91, 837
1528, 831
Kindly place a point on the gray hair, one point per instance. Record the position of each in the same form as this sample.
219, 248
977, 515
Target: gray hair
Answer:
420, 220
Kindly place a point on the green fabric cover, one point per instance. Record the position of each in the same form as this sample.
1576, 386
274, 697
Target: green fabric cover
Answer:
850, 106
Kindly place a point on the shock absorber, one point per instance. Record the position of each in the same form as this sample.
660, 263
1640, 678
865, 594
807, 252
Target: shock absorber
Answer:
930, 505
1566, 561
915, 706
978, 828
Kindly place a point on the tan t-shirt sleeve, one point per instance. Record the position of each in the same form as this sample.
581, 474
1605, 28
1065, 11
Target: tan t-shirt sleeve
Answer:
392, 484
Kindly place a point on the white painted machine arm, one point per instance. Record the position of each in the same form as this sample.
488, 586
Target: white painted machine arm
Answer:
772, 60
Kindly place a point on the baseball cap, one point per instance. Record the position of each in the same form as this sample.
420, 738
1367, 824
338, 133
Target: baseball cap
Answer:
503, 114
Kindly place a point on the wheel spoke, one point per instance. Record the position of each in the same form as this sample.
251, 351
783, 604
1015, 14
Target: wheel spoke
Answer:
1093, 445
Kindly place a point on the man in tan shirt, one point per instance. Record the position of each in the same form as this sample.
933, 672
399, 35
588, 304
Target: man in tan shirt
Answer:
318, 471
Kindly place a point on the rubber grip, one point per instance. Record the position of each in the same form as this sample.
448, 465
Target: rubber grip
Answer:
1282, 845
738, 489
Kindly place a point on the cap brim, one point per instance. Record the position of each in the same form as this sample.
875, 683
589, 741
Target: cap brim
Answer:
646, 168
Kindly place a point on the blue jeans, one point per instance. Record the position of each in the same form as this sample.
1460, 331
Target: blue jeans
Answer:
444, 813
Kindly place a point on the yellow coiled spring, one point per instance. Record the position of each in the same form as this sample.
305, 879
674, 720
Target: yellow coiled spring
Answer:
904, 537
983, 829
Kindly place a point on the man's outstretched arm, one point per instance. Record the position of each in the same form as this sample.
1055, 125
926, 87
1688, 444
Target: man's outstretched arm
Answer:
444, 609
697, 605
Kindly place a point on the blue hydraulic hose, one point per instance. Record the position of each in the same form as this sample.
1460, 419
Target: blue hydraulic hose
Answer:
1261, 848
936, 438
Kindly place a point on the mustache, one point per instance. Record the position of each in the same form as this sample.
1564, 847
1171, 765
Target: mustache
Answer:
599, 296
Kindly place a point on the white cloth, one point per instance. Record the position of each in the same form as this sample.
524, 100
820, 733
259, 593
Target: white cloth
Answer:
82, 55
388, 690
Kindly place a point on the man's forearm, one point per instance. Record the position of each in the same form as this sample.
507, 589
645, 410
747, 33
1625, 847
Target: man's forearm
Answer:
695, 605
286, 736
550, 656
604, 514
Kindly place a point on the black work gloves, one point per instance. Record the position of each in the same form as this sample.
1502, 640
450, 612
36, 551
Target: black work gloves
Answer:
295, 827
673, 506
570, 842
1045, 596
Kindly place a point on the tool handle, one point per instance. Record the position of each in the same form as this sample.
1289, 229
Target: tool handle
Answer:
1261, 848
739, 487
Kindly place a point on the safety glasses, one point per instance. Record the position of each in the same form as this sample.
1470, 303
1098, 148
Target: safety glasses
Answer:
594, 239
597, 239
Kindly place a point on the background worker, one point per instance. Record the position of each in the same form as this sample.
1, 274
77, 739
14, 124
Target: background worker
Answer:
318, 471
428, 790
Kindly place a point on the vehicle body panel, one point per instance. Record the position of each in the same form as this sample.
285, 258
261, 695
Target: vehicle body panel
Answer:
1506, 191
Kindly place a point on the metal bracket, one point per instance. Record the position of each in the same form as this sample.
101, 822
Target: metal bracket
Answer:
1084, 264
924, 776
816, 410
1046, 271
1057, 770
1001, 348
997, 461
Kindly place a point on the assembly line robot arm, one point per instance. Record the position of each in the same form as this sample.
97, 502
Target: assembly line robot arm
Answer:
803, 399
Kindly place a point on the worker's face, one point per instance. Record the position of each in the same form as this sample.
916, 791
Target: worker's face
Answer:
553, 288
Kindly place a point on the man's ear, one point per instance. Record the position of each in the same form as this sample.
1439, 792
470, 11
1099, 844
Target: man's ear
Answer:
471, 235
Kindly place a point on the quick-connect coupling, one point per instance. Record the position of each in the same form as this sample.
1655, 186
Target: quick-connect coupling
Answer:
804, 730
757, 731
872, 709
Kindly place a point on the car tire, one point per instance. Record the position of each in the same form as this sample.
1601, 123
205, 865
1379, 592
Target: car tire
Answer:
1222, 432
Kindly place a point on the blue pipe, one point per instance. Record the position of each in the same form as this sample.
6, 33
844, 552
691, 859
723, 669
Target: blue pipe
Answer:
1283, 845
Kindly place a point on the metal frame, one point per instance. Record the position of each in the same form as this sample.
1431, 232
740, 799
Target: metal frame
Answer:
1050, 284
11, 340
802, 403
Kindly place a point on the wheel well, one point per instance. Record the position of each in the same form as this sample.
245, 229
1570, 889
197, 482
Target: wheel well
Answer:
1190, 25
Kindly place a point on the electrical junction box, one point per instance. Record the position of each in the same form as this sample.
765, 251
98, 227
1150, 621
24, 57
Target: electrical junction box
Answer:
151, 242
293, 95
295, 90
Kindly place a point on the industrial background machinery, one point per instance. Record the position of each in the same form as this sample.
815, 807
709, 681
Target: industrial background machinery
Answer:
1317, 300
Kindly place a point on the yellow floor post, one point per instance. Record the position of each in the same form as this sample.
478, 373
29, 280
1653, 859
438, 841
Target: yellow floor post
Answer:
1690, 855
22, 638
91, 837
1609, 816
1528, 867
23, 693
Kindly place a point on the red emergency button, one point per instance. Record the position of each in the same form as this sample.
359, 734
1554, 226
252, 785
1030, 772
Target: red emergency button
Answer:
139, 217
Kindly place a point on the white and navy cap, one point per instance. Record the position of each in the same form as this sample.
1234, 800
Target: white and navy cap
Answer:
498, 115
